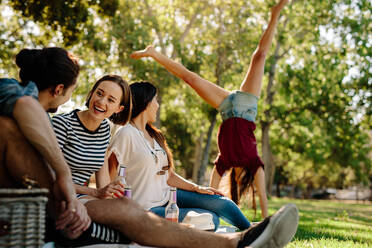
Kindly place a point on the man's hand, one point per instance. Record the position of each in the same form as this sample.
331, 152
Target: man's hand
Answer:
71, 213
75, 221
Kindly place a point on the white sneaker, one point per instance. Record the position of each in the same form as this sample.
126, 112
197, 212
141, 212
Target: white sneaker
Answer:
273, 232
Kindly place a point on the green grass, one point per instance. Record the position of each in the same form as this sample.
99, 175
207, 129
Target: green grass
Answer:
327, 224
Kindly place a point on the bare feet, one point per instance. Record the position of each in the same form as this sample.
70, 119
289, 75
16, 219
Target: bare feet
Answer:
277, 8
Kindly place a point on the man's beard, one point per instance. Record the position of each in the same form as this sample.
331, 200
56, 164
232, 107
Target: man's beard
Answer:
52, 110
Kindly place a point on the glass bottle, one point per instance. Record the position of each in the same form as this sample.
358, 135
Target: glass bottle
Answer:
121, 174
172, 210
128, 191
121, 177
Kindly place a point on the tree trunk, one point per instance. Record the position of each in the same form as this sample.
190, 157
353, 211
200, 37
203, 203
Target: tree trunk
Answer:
222, 65
206, 150
267, 157
278, 190
158, 121
292, 192
308, 190
370, 187
197, 157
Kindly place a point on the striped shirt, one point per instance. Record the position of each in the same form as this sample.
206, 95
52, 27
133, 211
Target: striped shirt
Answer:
83, 150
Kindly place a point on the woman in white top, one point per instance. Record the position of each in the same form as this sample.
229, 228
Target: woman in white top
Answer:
143, 150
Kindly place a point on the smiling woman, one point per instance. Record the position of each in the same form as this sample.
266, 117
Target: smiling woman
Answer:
83, 137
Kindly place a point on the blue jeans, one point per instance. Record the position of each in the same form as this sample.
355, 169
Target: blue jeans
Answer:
218, 206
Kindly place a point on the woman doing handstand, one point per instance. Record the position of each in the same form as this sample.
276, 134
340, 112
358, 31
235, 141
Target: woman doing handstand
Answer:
236, 140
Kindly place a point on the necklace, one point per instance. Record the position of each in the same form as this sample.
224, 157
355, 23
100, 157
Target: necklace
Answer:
146, 143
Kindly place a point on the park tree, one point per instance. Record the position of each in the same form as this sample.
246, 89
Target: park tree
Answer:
321, 110
68, 17
15, 34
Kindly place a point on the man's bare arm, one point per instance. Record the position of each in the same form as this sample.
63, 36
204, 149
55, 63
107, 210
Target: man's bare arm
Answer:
36, 127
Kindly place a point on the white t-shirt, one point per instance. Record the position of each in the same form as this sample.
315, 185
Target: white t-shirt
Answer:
134, 151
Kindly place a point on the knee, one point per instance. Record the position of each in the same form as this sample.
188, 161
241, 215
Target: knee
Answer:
223, 203
259, 55
125, 206
228, 203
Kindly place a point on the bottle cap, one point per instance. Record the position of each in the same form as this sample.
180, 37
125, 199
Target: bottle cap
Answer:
122, 169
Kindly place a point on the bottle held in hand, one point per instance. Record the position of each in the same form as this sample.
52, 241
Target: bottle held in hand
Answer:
128, 191
172, 210
121, 174
121, 177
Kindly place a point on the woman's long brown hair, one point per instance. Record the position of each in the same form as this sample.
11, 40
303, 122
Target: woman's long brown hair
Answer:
242, 186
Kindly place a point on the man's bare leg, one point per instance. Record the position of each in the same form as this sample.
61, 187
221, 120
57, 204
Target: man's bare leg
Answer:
253, 80
146, 228
18, 158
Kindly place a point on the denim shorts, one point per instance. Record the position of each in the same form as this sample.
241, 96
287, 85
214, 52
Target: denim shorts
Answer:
11, 90
239, 104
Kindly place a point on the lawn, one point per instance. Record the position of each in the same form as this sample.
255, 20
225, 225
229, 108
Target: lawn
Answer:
327, 224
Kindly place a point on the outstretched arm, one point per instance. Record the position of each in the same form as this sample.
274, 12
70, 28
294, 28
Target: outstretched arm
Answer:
179, 182
210, 92
253, 80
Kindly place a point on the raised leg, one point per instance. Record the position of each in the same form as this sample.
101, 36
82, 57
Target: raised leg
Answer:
253, 80
18, 158
210, 92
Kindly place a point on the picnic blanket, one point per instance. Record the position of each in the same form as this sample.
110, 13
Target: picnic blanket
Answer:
221, 229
